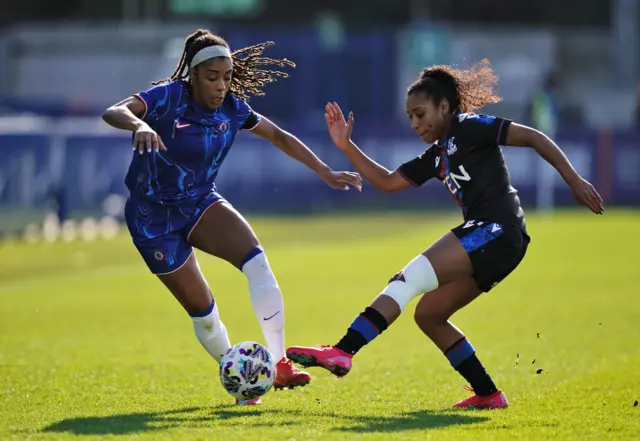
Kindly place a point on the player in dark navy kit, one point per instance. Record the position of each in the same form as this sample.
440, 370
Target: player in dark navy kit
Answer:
183, 129
476, 255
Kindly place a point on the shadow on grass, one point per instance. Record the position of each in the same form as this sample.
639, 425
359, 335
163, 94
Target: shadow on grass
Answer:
232, 416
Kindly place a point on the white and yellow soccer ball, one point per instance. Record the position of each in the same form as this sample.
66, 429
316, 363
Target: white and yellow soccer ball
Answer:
247, 370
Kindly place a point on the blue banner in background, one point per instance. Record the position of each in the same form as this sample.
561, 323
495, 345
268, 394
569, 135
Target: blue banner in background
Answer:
83, 170
94, 168
25, 169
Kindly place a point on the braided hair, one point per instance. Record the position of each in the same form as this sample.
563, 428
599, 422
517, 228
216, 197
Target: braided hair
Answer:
248, 77
465, 90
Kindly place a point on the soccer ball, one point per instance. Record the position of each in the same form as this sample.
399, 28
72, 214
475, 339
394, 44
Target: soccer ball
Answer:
247, 370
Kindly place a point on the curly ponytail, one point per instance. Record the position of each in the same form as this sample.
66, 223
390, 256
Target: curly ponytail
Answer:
465, 90
248, 77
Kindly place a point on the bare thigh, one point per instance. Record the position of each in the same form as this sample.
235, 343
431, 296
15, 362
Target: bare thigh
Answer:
223, 232
449, 259
188, 286
450, 263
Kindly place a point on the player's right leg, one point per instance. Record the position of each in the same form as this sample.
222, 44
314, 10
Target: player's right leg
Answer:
171, 259
432, 316
189, 287
169, 256
494, 251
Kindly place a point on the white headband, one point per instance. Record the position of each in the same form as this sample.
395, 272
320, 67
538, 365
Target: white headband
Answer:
208, 53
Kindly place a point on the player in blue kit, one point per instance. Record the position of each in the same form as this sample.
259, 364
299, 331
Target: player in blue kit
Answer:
473, 257
183, 129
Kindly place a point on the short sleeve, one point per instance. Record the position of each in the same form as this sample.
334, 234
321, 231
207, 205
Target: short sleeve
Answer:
484, 129
246, 117
251, 122
421, 168
158, 100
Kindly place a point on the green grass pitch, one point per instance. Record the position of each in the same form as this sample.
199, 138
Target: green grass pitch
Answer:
92, 346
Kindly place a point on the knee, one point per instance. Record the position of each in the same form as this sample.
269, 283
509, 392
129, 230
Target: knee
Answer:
198, 304
427, 316
257, 269
253, 255
204, 315
416, 278
421, 317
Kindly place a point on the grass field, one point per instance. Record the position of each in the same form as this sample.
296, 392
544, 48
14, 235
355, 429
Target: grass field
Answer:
91, 346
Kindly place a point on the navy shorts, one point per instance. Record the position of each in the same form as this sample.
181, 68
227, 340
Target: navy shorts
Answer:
161, 232
495, 250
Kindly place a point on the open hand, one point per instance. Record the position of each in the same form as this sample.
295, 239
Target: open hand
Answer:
339, 128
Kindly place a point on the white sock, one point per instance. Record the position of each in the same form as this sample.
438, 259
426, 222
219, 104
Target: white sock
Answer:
212, 333
266, 299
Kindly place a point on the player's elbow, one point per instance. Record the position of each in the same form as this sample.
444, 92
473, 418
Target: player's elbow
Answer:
386, 188
392, 182
382, 188
387, 184
107, 115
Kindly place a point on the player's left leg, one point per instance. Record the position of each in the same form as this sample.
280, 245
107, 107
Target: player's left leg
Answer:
222, 231
453, 272
445, 261
432, 316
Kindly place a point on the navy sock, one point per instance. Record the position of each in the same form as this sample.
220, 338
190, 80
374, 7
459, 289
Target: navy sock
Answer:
463, 358
367, 326
204, 313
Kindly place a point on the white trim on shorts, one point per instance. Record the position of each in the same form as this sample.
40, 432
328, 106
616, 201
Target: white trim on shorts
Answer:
201, 216
173, 271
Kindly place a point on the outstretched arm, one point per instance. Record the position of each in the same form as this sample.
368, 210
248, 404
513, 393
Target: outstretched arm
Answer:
523, 136
380, 177
296, 149
340, 131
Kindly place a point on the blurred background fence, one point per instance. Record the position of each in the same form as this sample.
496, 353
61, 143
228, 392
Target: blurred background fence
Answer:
575, 76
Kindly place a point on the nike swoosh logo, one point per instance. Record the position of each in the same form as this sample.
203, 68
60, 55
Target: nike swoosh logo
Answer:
181, 126
269, 318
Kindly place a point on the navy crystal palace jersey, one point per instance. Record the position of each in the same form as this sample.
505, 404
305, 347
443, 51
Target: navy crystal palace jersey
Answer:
197, 142
469, 161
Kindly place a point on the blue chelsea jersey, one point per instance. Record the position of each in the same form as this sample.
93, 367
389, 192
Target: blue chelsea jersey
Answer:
197, 142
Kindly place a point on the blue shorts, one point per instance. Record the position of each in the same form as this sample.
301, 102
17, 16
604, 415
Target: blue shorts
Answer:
161, 232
